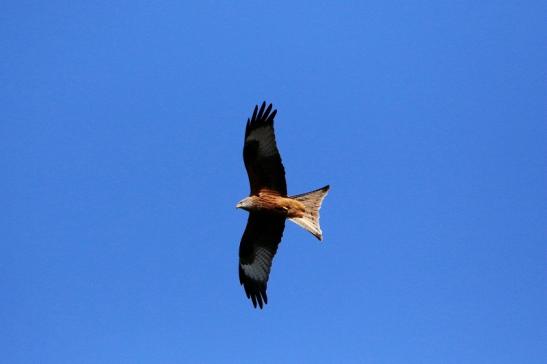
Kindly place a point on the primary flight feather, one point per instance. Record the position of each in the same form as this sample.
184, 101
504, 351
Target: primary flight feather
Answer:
268, 205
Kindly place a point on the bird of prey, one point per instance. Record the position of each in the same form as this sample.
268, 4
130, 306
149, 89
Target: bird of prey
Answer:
268, 205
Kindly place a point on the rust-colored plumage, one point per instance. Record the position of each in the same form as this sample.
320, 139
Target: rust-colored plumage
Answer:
268, 205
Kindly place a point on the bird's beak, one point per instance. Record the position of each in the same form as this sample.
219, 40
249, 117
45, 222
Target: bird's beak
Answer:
238, 206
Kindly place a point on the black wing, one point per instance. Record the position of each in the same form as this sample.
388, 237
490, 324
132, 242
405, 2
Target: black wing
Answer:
256, 251
260, 153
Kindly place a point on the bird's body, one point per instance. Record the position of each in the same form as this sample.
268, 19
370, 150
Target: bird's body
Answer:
269, 206
271, 202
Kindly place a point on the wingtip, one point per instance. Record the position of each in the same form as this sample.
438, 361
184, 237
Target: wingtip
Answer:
257, 294
253, 118
263, 114
267, 112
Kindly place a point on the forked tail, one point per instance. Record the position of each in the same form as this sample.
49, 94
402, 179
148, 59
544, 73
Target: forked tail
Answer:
312, 202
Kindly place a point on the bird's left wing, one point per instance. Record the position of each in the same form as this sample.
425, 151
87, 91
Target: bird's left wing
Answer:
256, 251
260, 153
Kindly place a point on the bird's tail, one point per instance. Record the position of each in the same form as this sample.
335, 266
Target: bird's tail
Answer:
312, 202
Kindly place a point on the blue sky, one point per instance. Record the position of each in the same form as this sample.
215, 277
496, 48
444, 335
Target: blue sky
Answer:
121, 132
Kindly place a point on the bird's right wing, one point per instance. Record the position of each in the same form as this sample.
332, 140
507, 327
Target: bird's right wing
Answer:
256, 251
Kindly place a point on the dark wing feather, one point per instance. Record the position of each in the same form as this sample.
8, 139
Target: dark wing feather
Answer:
260, 153
256, 251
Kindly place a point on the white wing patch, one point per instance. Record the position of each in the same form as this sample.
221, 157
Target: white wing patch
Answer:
259, 269
266, 141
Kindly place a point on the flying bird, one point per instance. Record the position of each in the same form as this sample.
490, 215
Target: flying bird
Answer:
268, 205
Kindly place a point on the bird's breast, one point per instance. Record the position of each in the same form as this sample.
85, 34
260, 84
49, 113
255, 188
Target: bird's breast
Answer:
279, 205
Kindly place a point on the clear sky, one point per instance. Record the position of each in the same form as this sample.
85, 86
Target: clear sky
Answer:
121, 130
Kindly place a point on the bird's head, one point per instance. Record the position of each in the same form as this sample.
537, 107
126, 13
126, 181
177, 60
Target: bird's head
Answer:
244, 204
